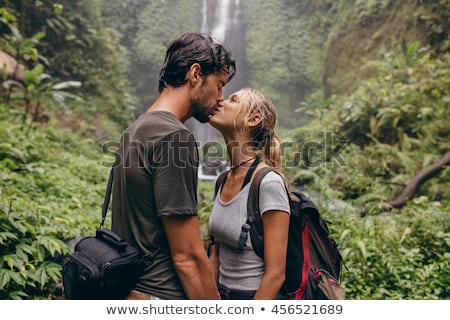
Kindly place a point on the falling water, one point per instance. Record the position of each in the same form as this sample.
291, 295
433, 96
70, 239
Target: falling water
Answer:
204, 27
204, 132
222, 18
228, 30
235, 40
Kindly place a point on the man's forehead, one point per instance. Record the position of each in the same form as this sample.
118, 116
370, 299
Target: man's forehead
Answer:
223, 74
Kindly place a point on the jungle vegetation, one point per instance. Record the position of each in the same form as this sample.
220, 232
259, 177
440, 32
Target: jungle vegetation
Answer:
363, 93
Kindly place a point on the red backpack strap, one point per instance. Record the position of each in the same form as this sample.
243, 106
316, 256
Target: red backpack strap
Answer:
306, 265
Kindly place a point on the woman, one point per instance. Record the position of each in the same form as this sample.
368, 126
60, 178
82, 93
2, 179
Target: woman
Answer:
247, 120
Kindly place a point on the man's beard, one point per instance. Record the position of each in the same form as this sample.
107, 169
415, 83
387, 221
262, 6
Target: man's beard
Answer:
199, 111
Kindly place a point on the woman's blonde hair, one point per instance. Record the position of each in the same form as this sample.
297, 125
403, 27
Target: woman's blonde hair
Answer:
264, 139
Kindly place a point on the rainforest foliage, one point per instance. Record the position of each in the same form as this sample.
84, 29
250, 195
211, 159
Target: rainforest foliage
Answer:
362, 89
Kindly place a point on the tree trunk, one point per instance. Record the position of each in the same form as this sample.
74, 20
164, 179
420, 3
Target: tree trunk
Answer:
23, 18
413, 184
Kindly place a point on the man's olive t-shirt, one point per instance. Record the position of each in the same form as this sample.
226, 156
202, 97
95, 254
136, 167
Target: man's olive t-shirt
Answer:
155, 176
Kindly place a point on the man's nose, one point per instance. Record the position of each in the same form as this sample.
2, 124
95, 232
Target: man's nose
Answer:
220, 96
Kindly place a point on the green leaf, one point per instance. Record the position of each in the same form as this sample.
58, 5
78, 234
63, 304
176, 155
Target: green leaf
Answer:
16, 32
404, 47
362, 247
8, 150
373, 125
412, 49
10, 260
6, 237
42, 277
9, 84
15, 276
18, 295
405, 233
20, 226
52, 245
53, 270
24, 249
4, 279
67, 85
31, 77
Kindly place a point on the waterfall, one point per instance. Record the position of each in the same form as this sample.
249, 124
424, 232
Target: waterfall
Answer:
228, 30
222, 18
204, 27
235, 40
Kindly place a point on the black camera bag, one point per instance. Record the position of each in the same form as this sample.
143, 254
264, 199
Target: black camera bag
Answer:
104, 266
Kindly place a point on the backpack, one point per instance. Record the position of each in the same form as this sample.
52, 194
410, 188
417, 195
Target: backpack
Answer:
313, 262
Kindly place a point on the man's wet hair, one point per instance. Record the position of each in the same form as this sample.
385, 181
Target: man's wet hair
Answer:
193, 48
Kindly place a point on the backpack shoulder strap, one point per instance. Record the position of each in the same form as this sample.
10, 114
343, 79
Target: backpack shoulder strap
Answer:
253, 212
220, 181
250, 171
253, 224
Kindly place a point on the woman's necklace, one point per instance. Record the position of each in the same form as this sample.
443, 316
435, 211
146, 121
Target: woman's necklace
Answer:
241, 163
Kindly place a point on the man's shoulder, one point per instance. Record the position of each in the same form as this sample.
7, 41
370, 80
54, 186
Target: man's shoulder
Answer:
159, 119
159, 125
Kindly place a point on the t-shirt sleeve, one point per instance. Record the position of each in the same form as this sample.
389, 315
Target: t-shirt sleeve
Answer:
272, 194
175, 175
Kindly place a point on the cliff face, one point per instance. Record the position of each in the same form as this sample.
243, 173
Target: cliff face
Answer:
303, 48
363, 32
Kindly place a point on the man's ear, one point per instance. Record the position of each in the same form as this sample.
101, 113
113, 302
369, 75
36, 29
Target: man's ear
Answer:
254, 120
194, 74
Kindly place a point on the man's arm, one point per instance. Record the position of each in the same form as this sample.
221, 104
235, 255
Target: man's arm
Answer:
214, 258
189, 257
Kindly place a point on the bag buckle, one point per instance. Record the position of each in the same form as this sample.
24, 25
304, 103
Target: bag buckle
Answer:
243, 237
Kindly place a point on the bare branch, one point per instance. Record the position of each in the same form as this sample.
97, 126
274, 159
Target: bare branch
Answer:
413, 184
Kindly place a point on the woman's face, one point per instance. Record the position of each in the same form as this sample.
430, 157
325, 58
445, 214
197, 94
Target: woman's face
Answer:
230, 114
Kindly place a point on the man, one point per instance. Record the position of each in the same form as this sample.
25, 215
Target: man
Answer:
155, 178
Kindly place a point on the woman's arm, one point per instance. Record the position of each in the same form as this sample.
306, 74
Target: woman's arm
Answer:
276, 228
